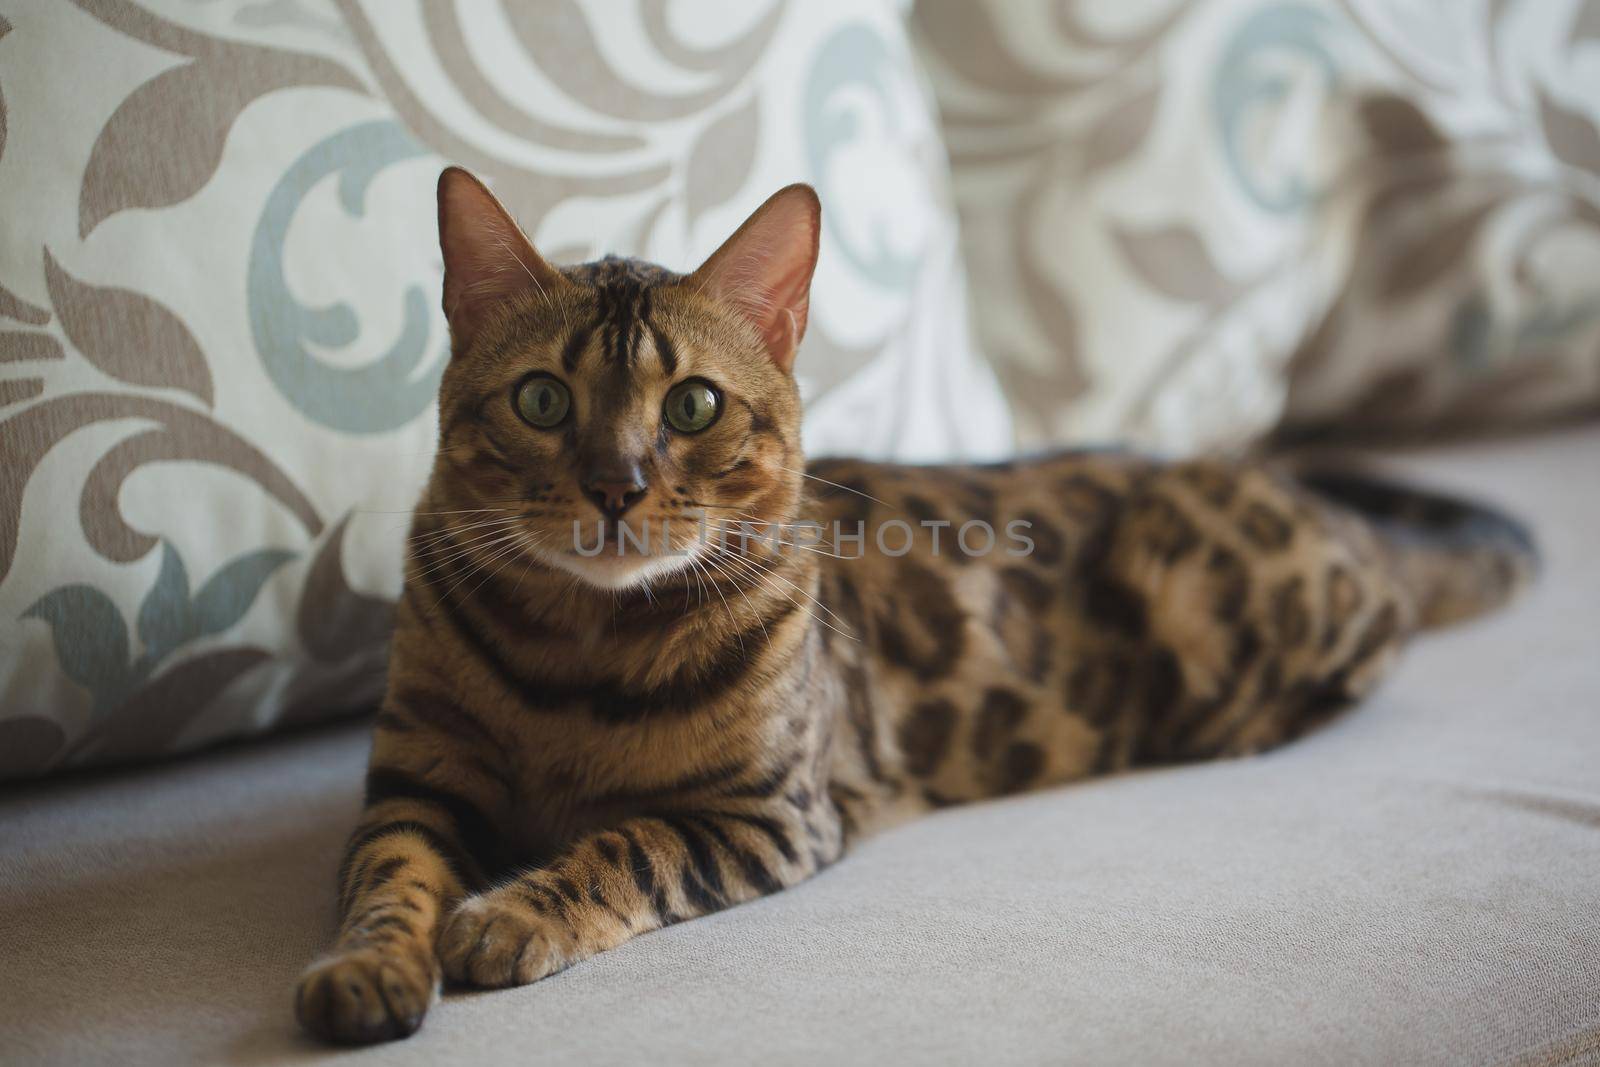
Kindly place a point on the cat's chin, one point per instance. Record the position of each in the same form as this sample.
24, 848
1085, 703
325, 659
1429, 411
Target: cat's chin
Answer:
612, 572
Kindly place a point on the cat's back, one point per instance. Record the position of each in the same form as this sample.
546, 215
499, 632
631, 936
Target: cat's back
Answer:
888, 521
938, 576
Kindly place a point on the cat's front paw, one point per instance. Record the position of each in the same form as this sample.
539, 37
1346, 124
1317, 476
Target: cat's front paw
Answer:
365, 995
495, 941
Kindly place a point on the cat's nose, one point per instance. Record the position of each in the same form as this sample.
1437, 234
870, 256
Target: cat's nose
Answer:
614, 493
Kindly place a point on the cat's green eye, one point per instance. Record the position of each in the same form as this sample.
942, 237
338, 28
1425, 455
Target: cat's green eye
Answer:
692, 406
543, 402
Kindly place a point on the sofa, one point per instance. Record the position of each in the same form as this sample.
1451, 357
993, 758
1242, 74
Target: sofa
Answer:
1220, 227
1416, 883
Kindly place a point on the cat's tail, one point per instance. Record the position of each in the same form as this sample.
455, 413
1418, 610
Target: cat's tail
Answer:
1458, 558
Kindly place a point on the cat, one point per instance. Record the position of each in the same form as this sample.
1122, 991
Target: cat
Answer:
586, 737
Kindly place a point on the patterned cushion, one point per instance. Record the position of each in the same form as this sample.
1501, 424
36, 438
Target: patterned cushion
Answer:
219, 339
1189, 221
1472, 294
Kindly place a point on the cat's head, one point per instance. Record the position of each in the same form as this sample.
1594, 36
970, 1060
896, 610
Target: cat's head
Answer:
616, 391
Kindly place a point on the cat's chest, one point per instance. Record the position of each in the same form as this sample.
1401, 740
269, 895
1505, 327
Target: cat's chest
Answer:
543, 824
574, 775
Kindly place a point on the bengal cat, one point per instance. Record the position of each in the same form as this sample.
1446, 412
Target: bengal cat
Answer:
582, 742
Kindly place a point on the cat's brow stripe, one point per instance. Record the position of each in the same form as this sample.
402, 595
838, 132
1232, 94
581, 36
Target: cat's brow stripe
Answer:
621, 290
665, 352
577, 343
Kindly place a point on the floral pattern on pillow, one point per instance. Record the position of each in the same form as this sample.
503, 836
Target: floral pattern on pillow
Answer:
219, 277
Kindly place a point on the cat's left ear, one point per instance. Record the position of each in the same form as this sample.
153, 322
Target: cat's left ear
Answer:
487, 259
764, 270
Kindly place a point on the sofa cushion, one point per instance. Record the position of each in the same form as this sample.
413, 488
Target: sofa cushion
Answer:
1413, 884
1189, 222
219, 339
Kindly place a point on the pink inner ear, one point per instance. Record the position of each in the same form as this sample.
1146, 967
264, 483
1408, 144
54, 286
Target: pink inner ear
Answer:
487, 259
764, 270
782, 336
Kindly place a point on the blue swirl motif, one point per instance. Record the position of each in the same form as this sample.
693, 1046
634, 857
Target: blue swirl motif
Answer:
1243, 84
378, 396
854, 57
1480, 343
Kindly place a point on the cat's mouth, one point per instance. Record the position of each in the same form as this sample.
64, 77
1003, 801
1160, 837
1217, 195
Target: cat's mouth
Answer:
613, 572
613, 537
630, 537
620, 554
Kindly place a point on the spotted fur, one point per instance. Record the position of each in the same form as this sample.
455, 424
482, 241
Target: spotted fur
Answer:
560, 765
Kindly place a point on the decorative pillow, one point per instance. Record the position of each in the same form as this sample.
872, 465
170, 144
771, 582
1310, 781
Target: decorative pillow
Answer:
1473, 295
1163, 203
219, 274
1134, 193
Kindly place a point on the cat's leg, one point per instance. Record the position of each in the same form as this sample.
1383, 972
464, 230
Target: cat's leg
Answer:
642, 874
425, 839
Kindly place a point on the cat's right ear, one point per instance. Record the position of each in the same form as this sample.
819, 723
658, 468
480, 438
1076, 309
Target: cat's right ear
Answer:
487, 259
764, 270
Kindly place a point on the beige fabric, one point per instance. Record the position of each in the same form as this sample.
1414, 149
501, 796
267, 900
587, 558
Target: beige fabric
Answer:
219, 284
1187, 220
1419, 884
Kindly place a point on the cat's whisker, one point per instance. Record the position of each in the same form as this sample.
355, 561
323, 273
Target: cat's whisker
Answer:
510, 555
816, 548
432, 565
543, 295
435, 533
447, 543
445, 572
751, 526
488, 504
693, 570
434, 536
737, 632
836, 485
431, 451
470, 517
759, 620
687, 594
766, 577
768, 570
771, 573
435, 566
501, 549
696, 568
460, 511
533, 557
414, 511
746, 516
698, 565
